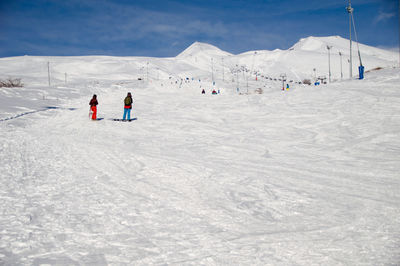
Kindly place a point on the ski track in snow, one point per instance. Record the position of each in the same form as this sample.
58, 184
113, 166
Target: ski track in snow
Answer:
303, 177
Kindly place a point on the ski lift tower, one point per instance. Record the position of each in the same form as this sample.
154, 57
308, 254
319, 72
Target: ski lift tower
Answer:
147, 71
223, 70
350, 11
315, 74
283, 77
237, 78
48, 72
341, 70
329, 47
361, 67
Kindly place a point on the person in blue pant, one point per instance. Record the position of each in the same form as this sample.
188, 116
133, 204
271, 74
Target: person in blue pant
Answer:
128, 106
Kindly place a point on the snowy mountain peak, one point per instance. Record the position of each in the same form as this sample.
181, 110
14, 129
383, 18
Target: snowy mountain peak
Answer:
319, 43
339, 44
202, 48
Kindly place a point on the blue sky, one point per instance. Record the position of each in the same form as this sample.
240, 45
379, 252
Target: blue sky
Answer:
164, 28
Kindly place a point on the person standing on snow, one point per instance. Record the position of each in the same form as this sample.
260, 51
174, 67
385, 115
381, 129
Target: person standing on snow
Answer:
93, 106
128, 106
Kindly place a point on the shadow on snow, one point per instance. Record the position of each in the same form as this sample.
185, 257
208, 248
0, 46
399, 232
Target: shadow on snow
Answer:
36, 111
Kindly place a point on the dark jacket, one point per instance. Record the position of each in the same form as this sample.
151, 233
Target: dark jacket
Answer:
128, 102
93, 102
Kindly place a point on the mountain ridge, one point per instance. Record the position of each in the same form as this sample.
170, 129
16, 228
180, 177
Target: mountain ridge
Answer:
307, 59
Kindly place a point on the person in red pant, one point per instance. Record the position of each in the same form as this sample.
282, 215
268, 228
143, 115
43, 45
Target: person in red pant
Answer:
93, 106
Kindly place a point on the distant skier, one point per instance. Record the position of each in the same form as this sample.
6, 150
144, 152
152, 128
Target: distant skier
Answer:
287, 86
93, 107
128, 106
214, 92
203, 92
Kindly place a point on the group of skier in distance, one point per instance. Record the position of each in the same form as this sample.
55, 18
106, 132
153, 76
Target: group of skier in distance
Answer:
214, 92
127, 107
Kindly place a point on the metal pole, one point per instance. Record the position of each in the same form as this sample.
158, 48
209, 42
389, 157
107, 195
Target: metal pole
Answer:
350, 11
329, 61
341, 70
212, 70
247, 84
147, 71
315, 74
237, 78
351, 53
283, 76
223, 71
48, 71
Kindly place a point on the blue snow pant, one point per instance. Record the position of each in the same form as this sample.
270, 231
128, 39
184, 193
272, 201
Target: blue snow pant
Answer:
127, 111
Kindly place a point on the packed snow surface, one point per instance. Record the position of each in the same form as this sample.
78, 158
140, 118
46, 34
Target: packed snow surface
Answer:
255, 176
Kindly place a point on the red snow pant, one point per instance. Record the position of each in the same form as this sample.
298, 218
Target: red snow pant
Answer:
94, 112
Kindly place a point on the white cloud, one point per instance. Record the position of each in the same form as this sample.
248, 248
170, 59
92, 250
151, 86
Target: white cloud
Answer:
382, 16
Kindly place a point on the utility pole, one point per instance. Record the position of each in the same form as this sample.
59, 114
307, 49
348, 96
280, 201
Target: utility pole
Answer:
223, 70
247, 83
315, 74
48, 72
329, 61
147, 71
350, 11
237, 78
212, 70
283, 77
341, 70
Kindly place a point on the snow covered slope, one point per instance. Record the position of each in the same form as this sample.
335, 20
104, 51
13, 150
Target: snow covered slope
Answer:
311, 53
206, 62
318, 44
306, 176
